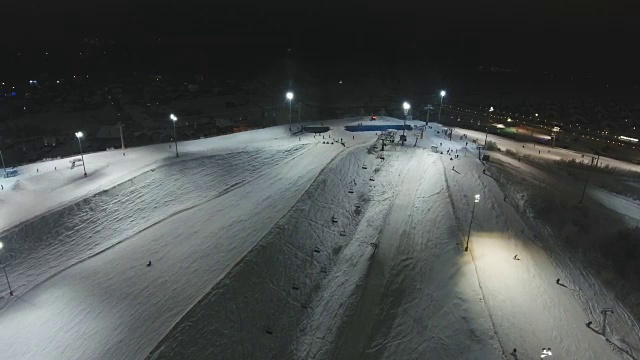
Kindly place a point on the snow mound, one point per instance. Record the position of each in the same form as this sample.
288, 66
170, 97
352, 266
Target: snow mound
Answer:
20, 186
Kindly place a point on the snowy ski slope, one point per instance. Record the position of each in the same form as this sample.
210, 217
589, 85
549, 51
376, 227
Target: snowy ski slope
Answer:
265, 245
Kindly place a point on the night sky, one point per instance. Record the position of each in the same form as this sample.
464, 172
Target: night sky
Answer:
560, 36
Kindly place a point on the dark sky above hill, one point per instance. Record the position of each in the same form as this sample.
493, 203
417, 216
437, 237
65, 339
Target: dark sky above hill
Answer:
563, 35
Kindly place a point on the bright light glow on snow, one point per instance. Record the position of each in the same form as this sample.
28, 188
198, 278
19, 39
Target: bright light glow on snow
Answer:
289, 95
173, 117
79, 134
443, 93
406, 106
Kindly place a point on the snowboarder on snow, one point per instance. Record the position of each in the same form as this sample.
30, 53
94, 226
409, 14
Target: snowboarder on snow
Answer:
589, 324
515, 257
149, 263
558, 281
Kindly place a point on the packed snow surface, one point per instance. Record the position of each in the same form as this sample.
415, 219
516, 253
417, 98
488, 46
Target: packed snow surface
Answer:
268, 245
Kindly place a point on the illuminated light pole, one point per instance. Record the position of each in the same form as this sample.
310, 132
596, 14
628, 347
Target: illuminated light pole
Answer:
476, 200
79, 135
290, 98
5, 273
175, 134
442, 94
406, 108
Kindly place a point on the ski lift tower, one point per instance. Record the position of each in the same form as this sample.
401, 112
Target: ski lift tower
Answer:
604, 312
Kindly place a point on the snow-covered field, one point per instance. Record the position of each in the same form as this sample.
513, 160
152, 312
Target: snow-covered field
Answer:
266, 245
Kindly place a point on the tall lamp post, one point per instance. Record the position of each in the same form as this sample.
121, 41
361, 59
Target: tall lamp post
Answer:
79, 135
406, 106
3, 167
175, 134
477, 200
442, 94
290, 98
5, 273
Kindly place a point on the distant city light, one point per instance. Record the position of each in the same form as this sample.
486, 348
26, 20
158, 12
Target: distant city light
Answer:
289, 95
79, 134
443, 93
173, 117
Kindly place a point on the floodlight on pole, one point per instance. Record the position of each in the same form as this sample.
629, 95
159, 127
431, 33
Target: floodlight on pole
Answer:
5, 273
406, 106
476, 200
290, 98
79, 135
175, 134
442, 94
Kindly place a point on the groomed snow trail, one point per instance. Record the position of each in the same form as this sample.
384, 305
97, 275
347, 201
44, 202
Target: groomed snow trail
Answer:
62, 238
421, 298
529, 309
255, 310
113, 306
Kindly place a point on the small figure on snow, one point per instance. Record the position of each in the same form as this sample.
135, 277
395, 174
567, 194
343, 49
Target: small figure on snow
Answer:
149, 263
589, 323
124, 154
453, 168
515, 257
354, 137
514, 352
484, 171
558, 281
505, 198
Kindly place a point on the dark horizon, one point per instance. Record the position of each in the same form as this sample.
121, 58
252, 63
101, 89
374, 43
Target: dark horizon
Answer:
584, 39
